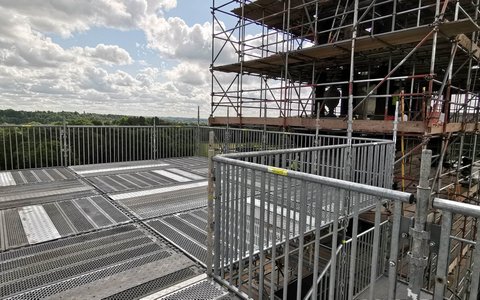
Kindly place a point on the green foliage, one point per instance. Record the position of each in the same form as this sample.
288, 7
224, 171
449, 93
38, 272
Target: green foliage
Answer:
13, 117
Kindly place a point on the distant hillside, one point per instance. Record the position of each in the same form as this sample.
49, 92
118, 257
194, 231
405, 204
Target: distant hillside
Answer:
10, 116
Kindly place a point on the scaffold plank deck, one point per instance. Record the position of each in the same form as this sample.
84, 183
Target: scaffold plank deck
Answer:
382, 41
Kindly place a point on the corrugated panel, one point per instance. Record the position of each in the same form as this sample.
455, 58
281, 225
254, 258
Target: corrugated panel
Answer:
65, 173
105, 184
172, 176
37, 224
158, 190
111, 210
97, 216
134, 180
194, 233
15, 234
151, 178
18, 177
176, 287
63, 226
179, 240
205, 289
125, 183
43, 175
186, 174
29, 175
201, 171
167, 203
193, 219
116, 169
6, 179
76, 217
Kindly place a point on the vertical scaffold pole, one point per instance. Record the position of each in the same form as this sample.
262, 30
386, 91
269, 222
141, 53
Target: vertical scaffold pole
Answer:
418, 256
397, 214
211, 190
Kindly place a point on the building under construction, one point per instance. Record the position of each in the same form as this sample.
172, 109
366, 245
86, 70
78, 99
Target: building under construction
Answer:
399, 70
335, 195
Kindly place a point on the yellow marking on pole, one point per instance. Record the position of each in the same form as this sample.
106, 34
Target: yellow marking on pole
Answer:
278, 171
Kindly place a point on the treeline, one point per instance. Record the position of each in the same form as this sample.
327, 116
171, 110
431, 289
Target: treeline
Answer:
14, 117
26, 147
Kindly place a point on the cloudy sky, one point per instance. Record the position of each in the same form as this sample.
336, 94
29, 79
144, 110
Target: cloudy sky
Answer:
135, 57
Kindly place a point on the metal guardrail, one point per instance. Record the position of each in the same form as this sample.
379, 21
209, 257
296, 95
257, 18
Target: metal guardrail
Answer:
273, 220
362, 267
38, 146
449, 208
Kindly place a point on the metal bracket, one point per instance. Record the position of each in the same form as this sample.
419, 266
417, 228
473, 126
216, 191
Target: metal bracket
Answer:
424, 235
419, 262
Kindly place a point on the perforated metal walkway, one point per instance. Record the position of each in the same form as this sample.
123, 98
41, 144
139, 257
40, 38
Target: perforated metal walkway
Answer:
87, 231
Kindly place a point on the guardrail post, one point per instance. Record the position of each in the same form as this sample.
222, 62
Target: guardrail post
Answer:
211, 189
154, 137
64, 143
475, 280
442, 259
197, 144
418, 256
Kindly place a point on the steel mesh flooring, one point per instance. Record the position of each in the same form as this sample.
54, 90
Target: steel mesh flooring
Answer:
67, 217
149, 206
154, 285
205, 289
33, 194
98, 248
41, 175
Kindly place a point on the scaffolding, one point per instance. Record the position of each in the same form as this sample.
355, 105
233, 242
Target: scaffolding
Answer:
344, 66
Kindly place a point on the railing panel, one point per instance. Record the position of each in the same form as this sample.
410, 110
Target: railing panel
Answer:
25, 147
277, 223
39, 146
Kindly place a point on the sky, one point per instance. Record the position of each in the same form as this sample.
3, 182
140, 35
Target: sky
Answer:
132, 57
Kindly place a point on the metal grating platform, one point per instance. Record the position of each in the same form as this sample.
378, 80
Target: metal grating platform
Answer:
155, 284
164, 201
64, 234
199, 287
72, 263
122, 177
40, 223
35, 176
33, 194
180, 239
205, 289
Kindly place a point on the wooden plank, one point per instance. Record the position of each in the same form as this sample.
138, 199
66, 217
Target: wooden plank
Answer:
367, 126
270, 12
453, 127
363, 43
466, 43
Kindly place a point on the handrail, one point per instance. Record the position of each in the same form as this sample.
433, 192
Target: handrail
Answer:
457, 207
338, 183
328, 265
324, 272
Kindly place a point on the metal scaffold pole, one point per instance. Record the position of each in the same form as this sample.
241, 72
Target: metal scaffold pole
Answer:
418, 256
211, 190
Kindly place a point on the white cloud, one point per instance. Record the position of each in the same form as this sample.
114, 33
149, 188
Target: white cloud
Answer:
189, 73
38, 74
109, 53
173, 38
67, 16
